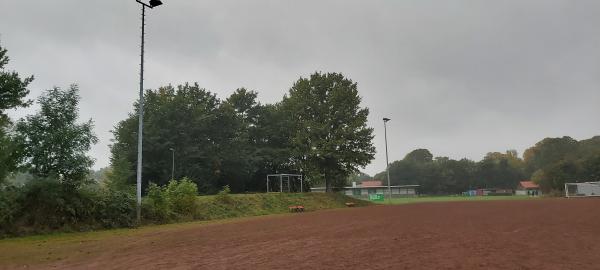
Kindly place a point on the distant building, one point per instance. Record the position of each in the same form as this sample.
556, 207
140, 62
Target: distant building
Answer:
373, 187
488, 192
528, 188
371, 183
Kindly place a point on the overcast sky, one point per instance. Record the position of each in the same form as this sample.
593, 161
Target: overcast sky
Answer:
461, 78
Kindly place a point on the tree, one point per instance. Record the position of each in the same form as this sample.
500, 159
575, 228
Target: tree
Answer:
9, 154
13, 90
590, 168
549, 151
184, 118
559, 160
419, 156
53, 144
330, 136
498, 170
359, 177
554, 176
270, 138
240, 155
261, 144
245, 106
214, 141
443, 175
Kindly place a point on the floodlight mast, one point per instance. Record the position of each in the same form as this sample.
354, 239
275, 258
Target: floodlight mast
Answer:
152, 4
387, 163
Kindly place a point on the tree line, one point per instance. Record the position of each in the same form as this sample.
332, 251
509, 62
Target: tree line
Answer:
318, 130
549, 163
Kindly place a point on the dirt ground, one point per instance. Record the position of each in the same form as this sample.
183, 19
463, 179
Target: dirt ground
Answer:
536, 234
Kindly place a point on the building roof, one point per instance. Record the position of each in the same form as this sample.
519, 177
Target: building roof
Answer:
528, 184
371, 183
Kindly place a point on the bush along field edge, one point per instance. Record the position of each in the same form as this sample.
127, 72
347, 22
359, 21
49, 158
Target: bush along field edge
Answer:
45, 206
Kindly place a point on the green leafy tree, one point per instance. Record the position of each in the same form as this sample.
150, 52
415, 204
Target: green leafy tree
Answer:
330, 136
261, 145
272, 152
590, 168
498, 170
53, 143
359, 177
554, 176
234, 142
118, 174
13, 91
238, 153
179, 118
207, 135
9, 151
549, 151
559, 160
13, 88
419, 156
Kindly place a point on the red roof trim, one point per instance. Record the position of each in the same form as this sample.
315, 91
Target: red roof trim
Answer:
528, 184
372, 183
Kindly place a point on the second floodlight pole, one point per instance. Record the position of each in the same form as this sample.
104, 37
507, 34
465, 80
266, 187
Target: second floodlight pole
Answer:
153, 3
387, 163
140, 120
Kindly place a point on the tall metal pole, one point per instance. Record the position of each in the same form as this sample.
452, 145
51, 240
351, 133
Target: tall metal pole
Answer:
387, 167
153, 3
141, 120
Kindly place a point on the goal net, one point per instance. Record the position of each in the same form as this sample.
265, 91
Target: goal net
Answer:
586, 189
285, 183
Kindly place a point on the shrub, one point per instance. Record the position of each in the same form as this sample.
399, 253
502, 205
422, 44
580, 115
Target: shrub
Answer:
155, 205
46, 204
116, 208
223, 195
9, 208
182, 196
175, 201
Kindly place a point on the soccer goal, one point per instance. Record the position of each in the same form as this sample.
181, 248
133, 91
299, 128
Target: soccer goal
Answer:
285, 183
586, 189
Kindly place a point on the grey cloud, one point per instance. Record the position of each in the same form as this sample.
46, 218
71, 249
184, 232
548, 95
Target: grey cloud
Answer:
461, 78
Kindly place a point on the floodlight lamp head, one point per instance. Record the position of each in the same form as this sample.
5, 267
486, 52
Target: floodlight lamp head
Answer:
385, 119
155, 3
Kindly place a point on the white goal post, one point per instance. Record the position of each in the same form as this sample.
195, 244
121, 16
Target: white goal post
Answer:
284, 183
585, 189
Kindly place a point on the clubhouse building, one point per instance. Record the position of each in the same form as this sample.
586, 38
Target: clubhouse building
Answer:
364, 189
